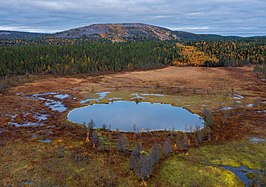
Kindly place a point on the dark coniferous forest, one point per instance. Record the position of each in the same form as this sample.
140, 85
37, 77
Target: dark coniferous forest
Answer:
96, 57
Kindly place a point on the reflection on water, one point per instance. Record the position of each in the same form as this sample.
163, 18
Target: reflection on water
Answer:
123, 115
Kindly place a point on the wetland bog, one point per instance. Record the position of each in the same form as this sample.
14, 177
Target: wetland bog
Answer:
236, 91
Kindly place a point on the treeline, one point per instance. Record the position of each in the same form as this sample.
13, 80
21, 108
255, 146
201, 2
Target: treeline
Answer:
233, 53
85, 58
93, 58
50, 41
260, 69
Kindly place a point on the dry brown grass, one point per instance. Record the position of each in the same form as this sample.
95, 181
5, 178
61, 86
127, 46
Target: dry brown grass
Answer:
240, 78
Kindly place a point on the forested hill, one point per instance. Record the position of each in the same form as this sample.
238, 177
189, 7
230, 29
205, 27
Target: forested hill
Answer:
120, 32
20, 35
109, 32
188, 36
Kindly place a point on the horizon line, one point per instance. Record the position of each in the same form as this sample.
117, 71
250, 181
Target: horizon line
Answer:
182, 29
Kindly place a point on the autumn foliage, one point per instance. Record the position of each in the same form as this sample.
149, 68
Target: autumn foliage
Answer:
191, 56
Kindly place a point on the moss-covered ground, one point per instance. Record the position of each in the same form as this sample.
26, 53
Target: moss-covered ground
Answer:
200, 166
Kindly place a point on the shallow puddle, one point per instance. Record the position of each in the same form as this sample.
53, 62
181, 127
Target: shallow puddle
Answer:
45, 141
41, 117
255, 140
114, 99
26, 183
62, 96
53, 104
26, 124
250, 105
238, 96
155, 95
243, 173
136, 96
227, 108
87, 100
261, 111
130, 116
31, 118
101, 95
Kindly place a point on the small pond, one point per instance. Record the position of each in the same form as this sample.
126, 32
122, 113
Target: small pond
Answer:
129, 116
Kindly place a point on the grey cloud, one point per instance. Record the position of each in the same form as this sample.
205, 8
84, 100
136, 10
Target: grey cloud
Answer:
237, 17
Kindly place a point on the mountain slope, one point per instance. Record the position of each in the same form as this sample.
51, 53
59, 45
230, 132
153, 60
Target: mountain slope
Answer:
187, 36
136, 32
20, 35
120, 32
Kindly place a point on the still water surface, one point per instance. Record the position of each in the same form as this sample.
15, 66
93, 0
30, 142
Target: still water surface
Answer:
123, 115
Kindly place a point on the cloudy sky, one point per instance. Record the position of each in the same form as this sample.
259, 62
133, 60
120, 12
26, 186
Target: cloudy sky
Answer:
227, 17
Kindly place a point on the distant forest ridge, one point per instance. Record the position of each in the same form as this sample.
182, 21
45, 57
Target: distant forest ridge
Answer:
117, 33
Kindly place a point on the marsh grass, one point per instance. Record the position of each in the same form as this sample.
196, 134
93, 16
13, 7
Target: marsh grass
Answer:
200, 166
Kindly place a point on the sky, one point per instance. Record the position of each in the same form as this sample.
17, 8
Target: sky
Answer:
226, 17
